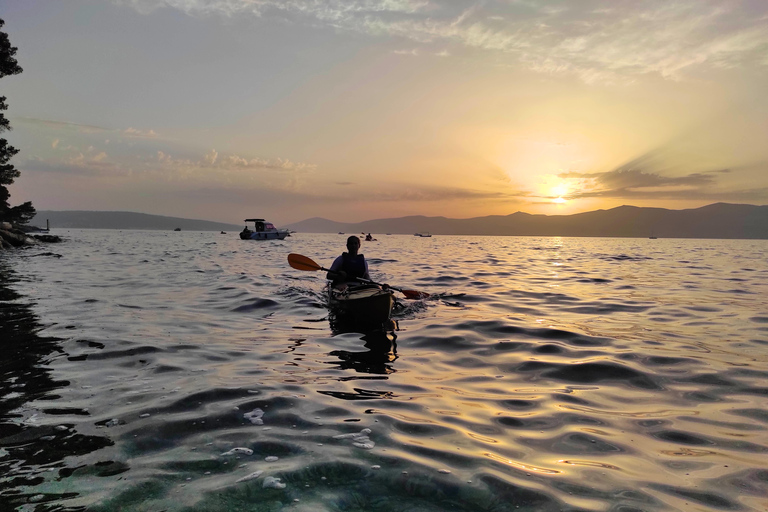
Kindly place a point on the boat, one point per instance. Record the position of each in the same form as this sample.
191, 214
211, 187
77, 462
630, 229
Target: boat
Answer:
262, 230
423, 235
365, 307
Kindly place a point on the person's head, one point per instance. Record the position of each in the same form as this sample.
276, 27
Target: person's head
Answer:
353, 244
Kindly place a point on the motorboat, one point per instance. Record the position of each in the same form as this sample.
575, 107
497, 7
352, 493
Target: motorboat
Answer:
262, 230
423, 235
366, 307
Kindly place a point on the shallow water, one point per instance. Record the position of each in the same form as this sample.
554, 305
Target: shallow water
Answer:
541, 374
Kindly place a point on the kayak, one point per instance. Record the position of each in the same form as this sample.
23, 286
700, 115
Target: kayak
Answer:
363, 306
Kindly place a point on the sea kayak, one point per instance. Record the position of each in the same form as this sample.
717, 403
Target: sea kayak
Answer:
364, 306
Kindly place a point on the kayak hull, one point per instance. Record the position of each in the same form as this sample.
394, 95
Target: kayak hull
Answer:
365, 307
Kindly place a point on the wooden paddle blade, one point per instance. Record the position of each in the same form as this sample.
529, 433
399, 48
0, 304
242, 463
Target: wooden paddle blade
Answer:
300, 262
415, 294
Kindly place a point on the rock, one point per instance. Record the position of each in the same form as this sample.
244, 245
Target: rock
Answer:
51, 239
11, 237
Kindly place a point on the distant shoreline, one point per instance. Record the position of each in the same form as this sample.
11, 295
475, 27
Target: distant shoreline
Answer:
716, 221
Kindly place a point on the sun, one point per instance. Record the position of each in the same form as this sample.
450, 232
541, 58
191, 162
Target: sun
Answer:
558, 191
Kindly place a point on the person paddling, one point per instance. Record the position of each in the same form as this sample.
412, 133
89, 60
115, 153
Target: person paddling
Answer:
348, 266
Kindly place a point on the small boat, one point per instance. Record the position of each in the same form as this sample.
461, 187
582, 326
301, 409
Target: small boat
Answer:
262, 230
365, 307
423, 235
177, 229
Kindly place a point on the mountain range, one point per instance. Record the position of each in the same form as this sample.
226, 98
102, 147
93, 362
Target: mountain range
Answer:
719, 220
123, 220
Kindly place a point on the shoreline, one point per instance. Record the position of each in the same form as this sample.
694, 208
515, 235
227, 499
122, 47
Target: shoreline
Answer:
14, 236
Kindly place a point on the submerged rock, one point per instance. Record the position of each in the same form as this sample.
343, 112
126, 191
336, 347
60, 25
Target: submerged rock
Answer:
273, 482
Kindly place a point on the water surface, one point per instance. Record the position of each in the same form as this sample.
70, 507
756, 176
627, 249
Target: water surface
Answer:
195, 371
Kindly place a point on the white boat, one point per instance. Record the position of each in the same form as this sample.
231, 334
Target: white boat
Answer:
262, 230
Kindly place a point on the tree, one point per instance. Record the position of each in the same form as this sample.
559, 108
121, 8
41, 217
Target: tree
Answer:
22, 213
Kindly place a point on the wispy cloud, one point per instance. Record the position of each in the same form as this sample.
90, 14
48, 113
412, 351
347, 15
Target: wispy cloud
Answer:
140, 134
672, 38
60, 125
213, 160
93, 165
632, 181
418, 194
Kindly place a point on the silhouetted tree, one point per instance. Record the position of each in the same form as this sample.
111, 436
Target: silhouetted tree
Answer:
22, 213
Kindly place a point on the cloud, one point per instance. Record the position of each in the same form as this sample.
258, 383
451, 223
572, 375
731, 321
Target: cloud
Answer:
141, 134
59, 125
427, 194
78, 165
84, 128
631, 179
671, 38
271, 195
640, 180
233, 162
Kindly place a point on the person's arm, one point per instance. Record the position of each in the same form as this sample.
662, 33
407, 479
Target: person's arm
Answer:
366, 275
336, 274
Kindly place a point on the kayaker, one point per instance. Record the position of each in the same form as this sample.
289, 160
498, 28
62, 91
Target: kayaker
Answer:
349, 265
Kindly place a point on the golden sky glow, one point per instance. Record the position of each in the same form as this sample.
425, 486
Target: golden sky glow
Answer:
361, 109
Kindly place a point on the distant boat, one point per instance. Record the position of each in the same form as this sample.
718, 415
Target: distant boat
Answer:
177, 229
653, 237
423, 235
223, 232
262, 230
341, 232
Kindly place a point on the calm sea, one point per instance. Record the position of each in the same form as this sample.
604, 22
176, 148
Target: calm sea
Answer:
151, 371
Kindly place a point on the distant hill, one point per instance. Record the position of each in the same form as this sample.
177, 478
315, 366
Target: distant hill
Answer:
124, 220
720, 220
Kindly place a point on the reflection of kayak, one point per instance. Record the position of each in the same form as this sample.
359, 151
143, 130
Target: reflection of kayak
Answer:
364, 306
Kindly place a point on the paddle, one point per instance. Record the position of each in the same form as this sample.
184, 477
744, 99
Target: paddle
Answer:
300, 262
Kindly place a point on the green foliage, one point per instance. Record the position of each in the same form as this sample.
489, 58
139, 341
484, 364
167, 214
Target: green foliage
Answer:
4, 125
22, 213
8, 63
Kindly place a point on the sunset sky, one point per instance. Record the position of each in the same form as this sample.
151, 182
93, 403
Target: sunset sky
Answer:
361, 109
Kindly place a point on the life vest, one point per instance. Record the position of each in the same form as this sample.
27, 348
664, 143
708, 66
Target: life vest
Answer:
354, 266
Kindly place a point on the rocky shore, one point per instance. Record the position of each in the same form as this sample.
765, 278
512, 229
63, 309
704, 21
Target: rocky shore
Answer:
12, 236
